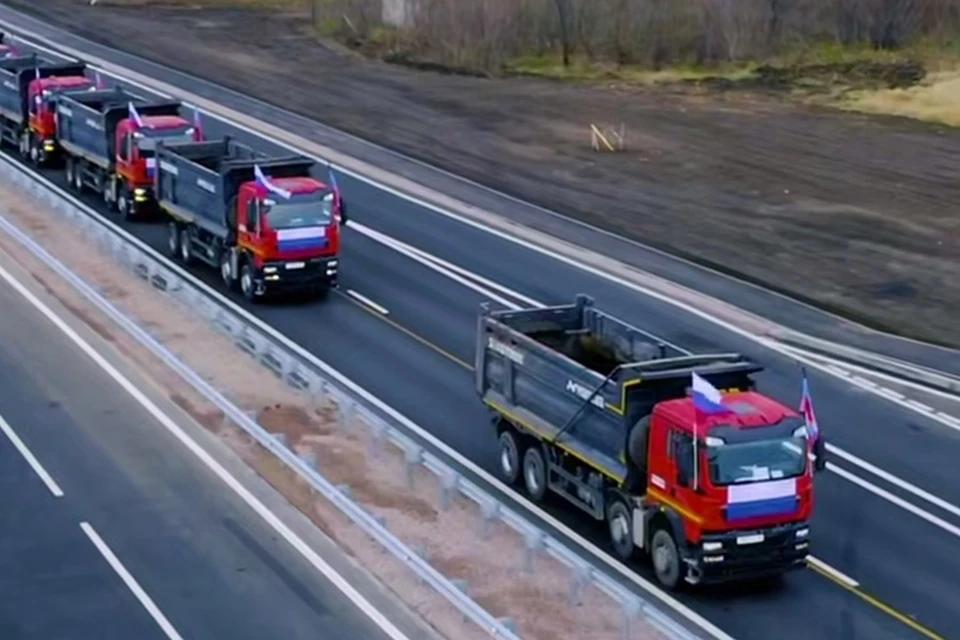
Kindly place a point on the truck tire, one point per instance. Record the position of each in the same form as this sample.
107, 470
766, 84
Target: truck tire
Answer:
535, 474
509, 457
173, 240
78, 177
620, 529
665, 558
124, 205
68, 171
186, 249
226, 272
247, 286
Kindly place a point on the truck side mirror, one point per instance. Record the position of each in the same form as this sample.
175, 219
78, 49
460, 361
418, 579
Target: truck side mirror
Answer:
820, 455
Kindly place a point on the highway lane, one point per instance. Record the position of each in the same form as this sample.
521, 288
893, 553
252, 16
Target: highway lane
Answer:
210, 564
696, 336
55, 581
433, 389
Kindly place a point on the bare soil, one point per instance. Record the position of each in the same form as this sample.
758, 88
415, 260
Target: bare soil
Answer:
855, 213
451, 536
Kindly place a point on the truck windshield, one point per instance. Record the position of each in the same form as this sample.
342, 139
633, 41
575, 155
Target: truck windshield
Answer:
756, 461
292, 215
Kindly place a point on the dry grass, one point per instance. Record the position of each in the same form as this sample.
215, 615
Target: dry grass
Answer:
936, 99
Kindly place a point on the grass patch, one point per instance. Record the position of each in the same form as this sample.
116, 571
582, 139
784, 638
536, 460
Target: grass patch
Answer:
936, 99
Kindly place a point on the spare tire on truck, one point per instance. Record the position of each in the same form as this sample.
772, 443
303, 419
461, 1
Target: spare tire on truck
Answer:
637, 439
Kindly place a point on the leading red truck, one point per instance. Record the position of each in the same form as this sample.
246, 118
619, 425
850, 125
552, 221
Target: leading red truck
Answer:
585, 408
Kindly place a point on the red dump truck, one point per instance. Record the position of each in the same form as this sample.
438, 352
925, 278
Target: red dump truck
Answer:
109, 138
264, 222
586, 408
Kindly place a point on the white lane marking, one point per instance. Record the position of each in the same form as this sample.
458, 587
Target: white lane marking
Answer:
368, 302
407, 249
925, 408
894, 480
131, 582
268, 516
574, 538
836, 573
897, 500
31, 459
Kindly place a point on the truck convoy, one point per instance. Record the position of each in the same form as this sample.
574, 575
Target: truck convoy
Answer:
109, 138
585, 408
28, 88
264, 222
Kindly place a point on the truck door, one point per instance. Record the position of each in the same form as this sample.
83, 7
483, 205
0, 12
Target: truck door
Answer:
680, 481
248, 220
124, 153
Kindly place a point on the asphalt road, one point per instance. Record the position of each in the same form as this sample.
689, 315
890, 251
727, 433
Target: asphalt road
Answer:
874, 529
212, 567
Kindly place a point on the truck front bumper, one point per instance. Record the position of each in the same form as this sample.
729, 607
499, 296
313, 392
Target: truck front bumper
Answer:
756, 553
314, 274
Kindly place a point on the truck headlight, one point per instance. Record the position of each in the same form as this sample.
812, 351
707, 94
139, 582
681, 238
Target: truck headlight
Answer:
712, 546
801, 534
269, 269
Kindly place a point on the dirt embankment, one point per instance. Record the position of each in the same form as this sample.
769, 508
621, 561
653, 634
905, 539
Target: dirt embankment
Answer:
492, 560
854, 213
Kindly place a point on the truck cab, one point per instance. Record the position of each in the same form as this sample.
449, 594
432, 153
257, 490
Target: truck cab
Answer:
135, 153
738, 503
40, 142
288, 235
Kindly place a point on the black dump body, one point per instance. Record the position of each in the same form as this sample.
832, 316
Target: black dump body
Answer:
581, 378
25, 69
208, 176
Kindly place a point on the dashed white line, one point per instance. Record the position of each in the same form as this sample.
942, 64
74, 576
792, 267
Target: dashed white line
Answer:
916, 404
896, 500
836, 573
31, 459
131, 582
364, 300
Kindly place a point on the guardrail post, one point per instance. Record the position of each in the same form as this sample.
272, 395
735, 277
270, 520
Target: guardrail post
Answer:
412, 457
449, 480
533, 542
318, 392
582, 576
346, 411
631, 607
377, 430
489, 510
309, 458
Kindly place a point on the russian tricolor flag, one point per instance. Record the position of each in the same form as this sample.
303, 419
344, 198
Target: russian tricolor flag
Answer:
706, 397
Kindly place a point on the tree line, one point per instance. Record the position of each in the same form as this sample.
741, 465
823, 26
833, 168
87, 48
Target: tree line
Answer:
487, 33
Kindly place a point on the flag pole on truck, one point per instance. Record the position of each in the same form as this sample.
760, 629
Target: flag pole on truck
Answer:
706, 400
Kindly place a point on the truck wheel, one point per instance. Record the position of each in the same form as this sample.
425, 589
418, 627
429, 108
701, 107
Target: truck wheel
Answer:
68, 172
509, 457
620, 526
34, 151
247, 286
173, 240
186, 250
535, 474
666, 558
226, 272
77, 178
24, 146
123, 202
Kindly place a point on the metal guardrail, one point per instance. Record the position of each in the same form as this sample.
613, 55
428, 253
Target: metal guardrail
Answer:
162, 275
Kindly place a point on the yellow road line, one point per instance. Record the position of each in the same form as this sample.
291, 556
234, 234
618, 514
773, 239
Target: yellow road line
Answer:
443, 352
882, 606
